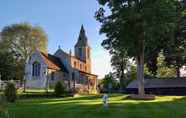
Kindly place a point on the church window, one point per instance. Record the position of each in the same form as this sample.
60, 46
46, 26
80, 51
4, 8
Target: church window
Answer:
75, 64
73, 79
80, 66
85, 68
36, 69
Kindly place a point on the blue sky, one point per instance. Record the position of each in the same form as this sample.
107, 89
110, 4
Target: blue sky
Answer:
61, 20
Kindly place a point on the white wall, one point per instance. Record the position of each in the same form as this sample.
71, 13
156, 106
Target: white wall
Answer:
35, 82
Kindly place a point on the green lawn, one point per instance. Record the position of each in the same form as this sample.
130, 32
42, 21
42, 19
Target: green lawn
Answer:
91, 107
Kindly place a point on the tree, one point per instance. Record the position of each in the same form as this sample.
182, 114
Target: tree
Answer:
59, 89
133, 72
10, 92
159, 68
109, 83
7, 66
164, 70
139, 27
22, 39
120, 63
151, 64
175, 54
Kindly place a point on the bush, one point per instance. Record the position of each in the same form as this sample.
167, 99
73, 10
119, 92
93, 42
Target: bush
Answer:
10, 92
3, 107
81, 90
59, 89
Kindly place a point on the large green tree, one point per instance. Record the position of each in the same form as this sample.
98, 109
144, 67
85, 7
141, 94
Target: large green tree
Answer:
109, 83
139, 27
22, 39
120, 64
7, 66
175, 54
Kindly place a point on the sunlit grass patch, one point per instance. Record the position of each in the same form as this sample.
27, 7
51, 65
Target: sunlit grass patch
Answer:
90, 106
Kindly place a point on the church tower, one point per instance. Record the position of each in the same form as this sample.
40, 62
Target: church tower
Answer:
82, 49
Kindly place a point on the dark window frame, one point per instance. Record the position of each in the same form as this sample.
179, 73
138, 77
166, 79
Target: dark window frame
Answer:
36, 69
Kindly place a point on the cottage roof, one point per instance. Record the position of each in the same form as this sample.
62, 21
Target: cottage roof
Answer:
159, 83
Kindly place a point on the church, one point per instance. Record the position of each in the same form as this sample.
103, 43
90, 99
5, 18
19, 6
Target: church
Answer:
43, 70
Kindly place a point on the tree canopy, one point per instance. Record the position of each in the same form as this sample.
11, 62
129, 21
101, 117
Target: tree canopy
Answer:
129, 19
7, 65
19, 41
120, 63
140, 27
22, 39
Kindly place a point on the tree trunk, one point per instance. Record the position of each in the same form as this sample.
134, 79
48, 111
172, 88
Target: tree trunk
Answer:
140, 68
178, 72
122, 77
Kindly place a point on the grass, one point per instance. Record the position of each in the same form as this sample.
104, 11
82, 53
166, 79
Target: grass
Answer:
38, 90
91, 107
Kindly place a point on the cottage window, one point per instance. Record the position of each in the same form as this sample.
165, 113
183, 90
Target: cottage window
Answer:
36, 69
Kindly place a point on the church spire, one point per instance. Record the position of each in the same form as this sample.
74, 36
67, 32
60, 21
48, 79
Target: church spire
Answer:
82, 31
82, 40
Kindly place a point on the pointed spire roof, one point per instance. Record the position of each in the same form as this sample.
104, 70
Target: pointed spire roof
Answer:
82, 40
82, 29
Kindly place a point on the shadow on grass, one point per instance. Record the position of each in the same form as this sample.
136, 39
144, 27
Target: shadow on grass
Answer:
91, 107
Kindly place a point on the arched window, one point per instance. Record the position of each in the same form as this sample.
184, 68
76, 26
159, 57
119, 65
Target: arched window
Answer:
75, 64
36, 68
80, 66
85, 68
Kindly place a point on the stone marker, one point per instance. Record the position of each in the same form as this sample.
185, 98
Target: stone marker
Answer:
105, 100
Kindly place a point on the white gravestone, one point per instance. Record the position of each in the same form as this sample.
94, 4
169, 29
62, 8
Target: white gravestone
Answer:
105, 100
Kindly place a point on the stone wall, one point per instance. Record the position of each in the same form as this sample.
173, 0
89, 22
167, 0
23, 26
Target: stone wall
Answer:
39, 81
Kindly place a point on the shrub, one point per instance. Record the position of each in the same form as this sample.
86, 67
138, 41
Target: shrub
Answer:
59, 89
10, 92
3, 107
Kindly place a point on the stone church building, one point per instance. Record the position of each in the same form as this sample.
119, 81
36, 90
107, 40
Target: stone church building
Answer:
44, 70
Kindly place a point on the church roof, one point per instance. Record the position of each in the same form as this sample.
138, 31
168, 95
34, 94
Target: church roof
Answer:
53, 62
82, 40
69, 55
83, 72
